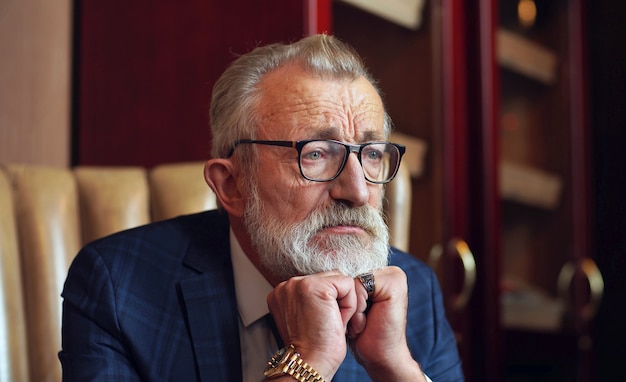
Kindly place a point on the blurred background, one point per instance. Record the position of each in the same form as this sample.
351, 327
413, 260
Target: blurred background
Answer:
518, 198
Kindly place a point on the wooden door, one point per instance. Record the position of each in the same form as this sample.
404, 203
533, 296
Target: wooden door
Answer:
548, 285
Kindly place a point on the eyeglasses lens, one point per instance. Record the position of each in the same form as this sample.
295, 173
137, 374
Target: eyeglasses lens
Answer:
323, 160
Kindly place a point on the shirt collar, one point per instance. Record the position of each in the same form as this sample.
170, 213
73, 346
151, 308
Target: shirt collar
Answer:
251, 286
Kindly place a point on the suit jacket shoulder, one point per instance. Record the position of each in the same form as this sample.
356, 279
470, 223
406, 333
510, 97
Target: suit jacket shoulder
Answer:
153, 303
430, 336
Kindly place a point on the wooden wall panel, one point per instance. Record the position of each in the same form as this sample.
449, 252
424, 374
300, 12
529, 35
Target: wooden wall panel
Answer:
145, 69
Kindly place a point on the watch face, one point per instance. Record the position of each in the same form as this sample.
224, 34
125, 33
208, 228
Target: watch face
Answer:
280, 353
275, 365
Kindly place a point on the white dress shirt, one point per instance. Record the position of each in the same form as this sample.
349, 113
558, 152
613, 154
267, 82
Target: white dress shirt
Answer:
256, 337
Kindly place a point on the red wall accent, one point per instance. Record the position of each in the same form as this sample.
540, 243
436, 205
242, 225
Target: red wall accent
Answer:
144, 70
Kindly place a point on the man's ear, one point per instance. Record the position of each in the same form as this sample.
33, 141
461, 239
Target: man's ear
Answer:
220, 176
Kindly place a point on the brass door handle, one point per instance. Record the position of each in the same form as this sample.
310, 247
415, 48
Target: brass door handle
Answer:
458, 247
596, 285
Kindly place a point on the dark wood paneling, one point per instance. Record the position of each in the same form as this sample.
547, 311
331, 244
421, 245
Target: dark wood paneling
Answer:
144, 71
607, 37
485, 349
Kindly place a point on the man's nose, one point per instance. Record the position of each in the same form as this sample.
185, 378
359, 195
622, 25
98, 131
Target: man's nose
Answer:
350, 186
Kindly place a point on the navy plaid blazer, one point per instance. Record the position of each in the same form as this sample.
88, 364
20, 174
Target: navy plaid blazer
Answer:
157, 303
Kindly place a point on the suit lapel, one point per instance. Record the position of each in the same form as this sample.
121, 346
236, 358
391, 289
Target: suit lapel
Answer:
210, 304
212, 319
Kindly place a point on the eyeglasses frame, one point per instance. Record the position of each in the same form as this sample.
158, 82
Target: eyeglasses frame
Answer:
350, 148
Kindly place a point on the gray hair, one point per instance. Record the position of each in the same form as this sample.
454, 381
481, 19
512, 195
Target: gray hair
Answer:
236, 92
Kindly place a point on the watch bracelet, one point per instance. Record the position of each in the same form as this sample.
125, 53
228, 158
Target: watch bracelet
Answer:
302, 371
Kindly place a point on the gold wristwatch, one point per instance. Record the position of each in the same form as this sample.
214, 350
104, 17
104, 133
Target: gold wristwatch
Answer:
288, 362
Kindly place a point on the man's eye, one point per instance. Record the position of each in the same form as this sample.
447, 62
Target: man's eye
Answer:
373, 155
314, 155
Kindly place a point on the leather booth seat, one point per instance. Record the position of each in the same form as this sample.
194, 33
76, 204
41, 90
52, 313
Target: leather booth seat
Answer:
48, 213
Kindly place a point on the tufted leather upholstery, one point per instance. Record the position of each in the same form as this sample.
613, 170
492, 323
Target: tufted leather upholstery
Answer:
47, 214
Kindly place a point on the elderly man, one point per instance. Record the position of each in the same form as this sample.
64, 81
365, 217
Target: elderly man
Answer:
297, 257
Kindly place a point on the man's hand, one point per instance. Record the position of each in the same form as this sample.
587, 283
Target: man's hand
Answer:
379, 343
316, 313
312, 313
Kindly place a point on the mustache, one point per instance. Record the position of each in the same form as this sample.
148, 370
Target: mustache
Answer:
337, 214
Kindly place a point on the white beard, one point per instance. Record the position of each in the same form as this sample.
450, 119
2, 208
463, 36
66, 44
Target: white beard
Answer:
290, 249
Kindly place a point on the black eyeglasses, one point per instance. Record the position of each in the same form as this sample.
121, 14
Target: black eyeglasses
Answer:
323, 160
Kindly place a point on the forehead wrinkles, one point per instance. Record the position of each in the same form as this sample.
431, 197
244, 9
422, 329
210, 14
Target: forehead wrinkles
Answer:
330, 104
